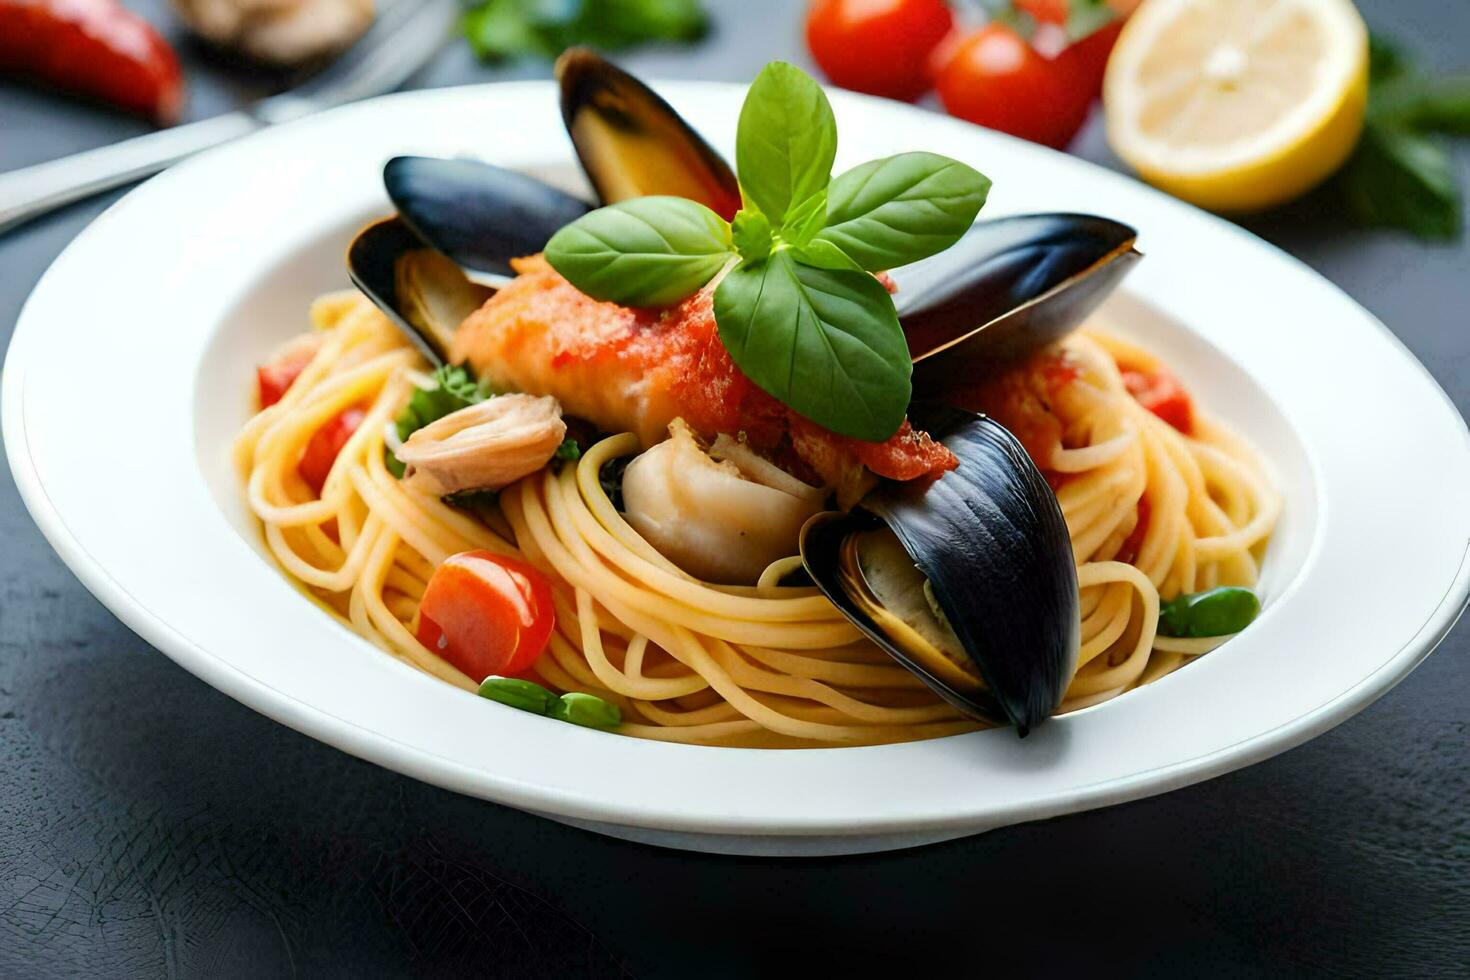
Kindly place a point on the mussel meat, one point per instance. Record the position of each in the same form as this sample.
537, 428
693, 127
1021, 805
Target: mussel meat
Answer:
632, 143
1010, 287
967, 580
424, 293
478, 214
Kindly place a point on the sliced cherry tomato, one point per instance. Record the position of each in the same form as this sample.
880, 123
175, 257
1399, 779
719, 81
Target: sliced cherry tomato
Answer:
1161, 393
994, 78
487, 614
881, 47
273, 379
321, 452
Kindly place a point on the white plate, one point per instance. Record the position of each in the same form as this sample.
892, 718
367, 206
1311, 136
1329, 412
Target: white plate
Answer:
132, 366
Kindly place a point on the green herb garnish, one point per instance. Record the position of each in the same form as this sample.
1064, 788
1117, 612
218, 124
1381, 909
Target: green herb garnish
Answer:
587, 710
1401, 175
499, 29
454, 388
1217, 612
798, 308
568, 450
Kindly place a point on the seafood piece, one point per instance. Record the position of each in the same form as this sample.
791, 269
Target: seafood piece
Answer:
279, 32
632, 143
478, 214
1008, 288
483, 447
714, 519
637, 370
421, 290
967, 580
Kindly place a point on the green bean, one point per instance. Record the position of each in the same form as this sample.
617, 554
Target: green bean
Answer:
587, 710
1217, 612
525, 695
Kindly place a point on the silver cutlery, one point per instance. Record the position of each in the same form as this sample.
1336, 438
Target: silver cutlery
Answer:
404, 37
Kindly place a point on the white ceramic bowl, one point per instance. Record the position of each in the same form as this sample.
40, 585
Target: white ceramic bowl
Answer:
132, 366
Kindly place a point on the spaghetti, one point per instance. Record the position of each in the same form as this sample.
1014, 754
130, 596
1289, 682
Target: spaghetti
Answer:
1152, 512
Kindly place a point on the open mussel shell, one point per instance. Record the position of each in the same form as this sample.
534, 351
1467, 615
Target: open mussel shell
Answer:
424, 293
979, 598
632, 143
1008, 288
478, 214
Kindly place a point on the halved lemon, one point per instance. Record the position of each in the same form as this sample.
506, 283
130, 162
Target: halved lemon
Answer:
1238, 105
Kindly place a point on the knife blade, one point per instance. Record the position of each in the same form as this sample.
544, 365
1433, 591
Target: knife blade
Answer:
403, 38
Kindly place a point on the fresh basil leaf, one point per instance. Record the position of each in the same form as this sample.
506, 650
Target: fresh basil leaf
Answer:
824, 342
786, 140
453, 388
890, 212
1400, 179
824, 255
648, 251
751, 233
805, 219
568, 450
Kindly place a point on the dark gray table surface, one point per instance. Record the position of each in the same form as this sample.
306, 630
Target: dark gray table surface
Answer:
150, 825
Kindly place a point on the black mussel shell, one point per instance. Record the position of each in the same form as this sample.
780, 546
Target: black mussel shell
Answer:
1008, 288
424, 293
478, 214
632, 143
990, 538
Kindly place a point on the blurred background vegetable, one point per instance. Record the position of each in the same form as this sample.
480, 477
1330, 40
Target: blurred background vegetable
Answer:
501, 29
93, 48
881, 47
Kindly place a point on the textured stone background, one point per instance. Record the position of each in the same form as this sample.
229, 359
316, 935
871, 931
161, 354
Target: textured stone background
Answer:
149, 825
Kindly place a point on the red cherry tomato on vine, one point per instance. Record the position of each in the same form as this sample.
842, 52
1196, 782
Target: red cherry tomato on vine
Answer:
1088, 55
881, 47
994, 78
486, 614
321, 452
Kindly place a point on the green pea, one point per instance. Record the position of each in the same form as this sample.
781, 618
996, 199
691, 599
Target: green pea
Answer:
587, 710
1218, 612
525, 695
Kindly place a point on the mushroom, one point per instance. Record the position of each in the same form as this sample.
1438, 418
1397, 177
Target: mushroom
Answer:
280, 32
484, 446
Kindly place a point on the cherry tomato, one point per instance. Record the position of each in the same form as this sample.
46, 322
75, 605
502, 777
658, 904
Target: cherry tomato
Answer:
486, 614
1087, 57
881, 47
994, 78
321, 452
273, 379
1161, 393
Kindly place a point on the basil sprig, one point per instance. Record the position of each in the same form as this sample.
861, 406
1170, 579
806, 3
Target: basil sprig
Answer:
797, 308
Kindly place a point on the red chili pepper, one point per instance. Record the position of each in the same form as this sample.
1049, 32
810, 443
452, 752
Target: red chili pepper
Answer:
94, 48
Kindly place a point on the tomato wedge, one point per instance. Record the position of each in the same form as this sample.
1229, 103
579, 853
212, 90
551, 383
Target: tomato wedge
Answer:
273, 379
1161, 393
321, 452
487, 614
